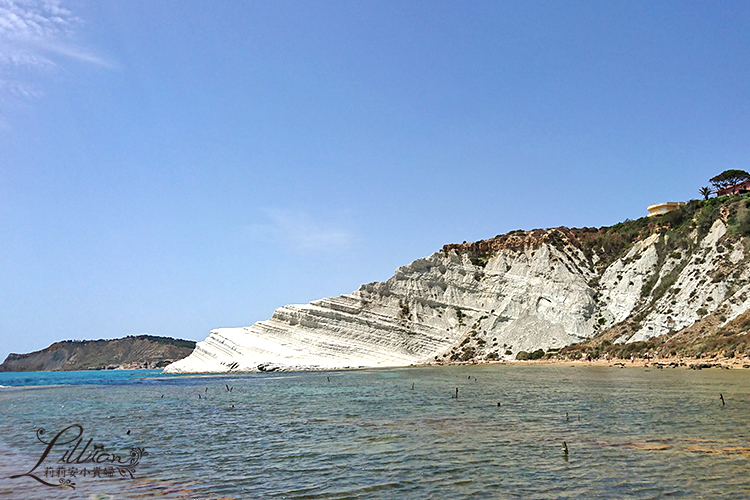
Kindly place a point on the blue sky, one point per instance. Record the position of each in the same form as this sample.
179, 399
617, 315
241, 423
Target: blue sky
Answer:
176, 166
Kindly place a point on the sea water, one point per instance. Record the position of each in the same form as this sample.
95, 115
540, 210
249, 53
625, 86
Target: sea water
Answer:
391, 433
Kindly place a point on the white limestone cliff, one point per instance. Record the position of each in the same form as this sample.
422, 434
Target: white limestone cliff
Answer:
489, 300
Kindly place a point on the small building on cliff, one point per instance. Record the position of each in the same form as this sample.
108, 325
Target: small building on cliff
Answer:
662, 208
739, 188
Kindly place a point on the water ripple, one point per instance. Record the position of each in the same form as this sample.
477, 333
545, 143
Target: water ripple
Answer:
367, 434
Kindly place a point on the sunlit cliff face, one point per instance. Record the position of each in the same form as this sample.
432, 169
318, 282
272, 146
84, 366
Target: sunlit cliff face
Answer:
491, 299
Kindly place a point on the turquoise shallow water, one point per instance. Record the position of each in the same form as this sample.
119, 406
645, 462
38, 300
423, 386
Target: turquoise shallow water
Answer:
92, 377
631, 433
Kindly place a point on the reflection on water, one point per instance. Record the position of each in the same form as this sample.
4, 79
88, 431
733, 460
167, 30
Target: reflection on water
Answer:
368, 434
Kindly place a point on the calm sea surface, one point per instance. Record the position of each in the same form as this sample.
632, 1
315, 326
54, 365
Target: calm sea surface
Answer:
631, 433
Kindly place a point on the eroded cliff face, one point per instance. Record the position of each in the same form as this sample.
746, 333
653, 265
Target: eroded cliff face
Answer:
522, 291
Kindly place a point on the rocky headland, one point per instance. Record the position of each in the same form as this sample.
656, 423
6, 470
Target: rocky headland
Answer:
673, 285
136, 352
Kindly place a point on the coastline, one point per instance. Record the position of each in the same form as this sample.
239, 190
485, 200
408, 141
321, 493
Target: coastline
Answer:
721, 362
660, 362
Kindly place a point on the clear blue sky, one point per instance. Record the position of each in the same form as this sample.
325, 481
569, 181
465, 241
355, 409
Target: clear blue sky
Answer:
176, 166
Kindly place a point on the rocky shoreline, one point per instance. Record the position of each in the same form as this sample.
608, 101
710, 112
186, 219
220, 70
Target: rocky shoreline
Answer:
661, 363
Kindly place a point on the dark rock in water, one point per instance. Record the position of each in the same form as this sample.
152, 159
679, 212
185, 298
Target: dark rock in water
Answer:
267, 367
700, 366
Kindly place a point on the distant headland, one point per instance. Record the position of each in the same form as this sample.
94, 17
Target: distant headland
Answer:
132, 352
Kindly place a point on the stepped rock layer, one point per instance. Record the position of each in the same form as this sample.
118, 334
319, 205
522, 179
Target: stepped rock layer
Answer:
527, 290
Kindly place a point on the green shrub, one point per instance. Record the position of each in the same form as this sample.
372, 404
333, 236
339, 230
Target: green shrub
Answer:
479, 260
538, 354
743, 224
468, 354
460, 315
405, 313
666, 282
707, 216
649, 285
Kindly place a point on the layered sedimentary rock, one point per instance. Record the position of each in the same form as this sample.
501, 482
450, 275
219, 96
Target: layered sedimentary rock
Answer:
522, 291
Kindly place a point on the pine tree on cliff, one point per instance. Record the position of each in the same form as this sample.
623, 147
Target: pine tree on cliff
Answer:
729, 178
